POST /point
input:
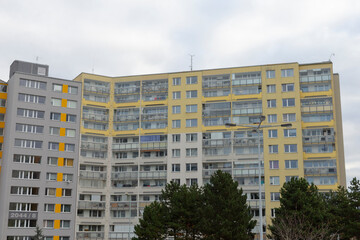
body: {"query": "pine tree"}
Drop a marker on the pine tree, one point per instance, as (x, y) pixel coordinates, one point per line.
(38, 234)
(225, 214)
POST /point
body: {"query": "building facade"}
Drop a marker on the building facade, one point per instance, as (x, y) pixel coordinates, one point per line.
(3, 97)
(39, 168)
(140, 132)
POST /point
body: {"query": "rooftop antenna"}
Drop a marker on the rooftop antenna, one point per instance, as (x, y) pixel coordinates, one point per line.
(191, 61)
(333, 54)
(37, 58)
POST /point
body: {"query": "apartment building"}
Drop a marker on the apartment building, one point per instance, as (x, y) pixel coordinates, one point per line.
(140, 132)
(40, 155)
(3, 97)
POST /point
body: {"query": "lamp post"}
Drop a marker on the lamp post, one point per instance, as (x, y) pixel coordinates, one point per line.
(128, 195)
(256, 128)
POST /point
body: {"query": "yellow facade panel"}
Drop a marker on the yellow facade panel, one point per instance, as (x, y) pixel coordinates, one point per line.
(56, 224)
(59, 177)
(62, 132)
(60, 162)
(61, 147)
(63, 117)
(59, 192)
(2, 110)
(57, 208)
(65, 88)
(64, 103)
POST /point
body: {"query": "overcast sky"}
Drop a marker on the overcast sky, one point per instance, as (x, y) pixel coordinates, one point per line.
(125, 37)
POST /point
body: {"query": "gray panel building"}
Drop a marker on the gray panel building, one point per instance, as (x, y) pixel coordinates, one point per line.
(40, 159)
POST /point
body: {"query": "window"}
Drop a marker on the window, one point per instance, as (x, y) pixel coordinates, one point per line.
(33, 84)
(30, 113)
(56, 102)
(270, 74)
(191, 108)
(54, 146)
(191, 152)
(24, 190)
(287, 72)
(272, 118)
(273, 133)
(274, 164)
(2, 102)
(191, 137)
(70, 132)
(191, 122)
(289, 132)
(274, 180)
(177, 95)
(50, 191)
(51, 176)
(289, 117)
(55, 116)
(191, 80)
(273, 149)
(57, 87)
(54, 131)
(3, 88)
(28, 128)
(176, 109)
(191, 167)
(275, 196)
(71, 104)
(176, 167)
(52, 161)
(191, 181)
(176, 137)
(271, 103)
(31, 98)
(64, 223)
(288, 102)
(191, 94)
(287, 87)
(48, 223)
(49, 207)
(72, 90)
(68, 162)
(288, 178)
(271, 88)
(290, 148)
(176, 123)
(273, 212)
(69, 147)
(70, 118)
(176, 180)
(29, 159)
(176, 81)
(25, 143)
(67, 177)
(291, 164)
(66, 192)
(176, 152)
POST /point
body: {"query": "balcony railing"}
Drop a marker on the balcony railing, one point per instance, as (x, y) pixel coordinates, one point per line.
(153, 145)
(92, 175)
(95, 117)
(90, 235)
(162, 87)
(317, 108)
(209, 172)
(319, 139)
(247, 172)
(216, 142)
(123, 205)
(127, 90)
(94, 146)
(91, 205)
(98, 90)
(122, 118)
(244, 142)
(216, 84)
(254, 203)
(120, 235)
(154, 116)
(317, 78)
(153, 174)
(249, 81)
(216, 113)
(320, 171)
(125, 146)
(124, 175)
(245, 111)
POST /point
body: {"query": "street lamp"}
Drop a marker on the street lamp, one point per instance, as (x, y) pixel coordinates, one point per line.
(256, 129)
(127, 196)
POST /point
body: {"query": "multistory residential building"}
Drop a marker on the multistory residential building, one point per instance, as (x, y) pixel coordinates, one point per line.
(140, 132)
(40, 155)
(3, 97)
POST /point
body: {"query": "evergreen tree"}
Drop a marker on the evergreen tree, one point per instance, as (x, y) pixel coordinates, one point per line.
(354, 197)
(38, 234)
(153, 224)
(302, 211)
(225, 214)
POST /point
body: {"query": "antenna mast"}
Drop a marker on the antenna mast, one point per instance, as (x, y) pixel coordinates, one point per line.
(191, 61)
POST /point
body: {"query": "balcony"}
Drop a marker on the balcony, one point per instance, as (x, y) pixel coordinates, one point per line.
(320, 171)
(91, 205)
(90, 235)
(97, 89)
(95, 117)
(120, 235)
(216, 84)
(208, 172)
(315, 78)
(126, 118)
(94, 146)
(153, 174)
(124, 175)
(123, 205)
(245, 142)
(154, 116)
(246, 111)
(125, 146)
(153, 145)
(92, 175)
(316, 108)
(127, 90)
(207, 143)
(247, 172)
(254, 203)
(319, 139)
